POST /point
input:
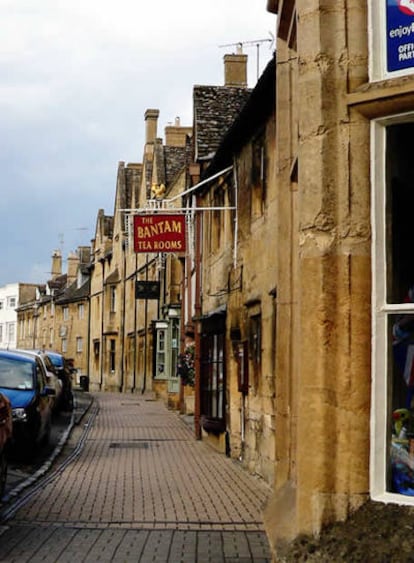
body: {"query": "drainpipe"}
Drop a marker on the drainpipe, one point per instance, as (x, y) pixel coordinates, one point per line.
(144, 383)
(88, 348)
(182, 325)
(135, 331)
(102, 325)
(122, 383)
(197, 335)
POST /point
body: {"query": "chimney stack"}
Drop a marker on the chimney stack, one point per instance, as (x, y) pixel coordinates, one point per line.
(73, 262)
(235, 70)
(56, 264)
(151, 121)
(176, 135)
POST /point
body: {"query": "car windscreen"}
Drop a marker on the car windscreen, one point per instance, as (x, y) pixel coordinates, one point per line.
(16, 374)
(56, 360)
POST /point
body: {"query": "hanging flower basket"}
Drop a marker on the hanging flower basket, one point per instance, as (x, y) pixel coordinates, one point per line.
(185, 366)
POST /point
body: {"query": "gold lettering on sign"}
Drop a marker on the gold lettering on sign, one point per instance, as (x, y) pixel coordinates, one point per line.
(160, 228)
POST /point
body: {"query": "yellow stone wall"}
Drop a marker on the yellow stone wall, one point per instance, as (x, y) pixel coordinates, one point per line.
(324, 270)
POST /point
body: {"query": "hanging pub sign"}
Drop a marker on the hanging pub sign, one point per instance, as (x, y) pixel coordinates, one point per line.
(159, 233)
(147, 289)
(400, 34)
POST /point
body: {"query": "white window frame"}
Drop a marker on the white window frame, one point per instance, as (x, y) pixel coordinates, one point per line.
(381, 310)
(377, 30)
(79, 344)
(11, 332)
(65, 313)
(81, 311)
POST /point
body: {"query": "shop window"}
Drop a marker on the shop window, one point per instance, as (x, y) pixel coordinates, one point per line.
(173, 382)
(161, 339)
(393, 313)
(212, 376)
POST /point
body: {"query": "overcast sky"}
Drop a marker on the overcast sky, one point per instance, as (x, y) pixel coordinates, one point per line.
(76, 77)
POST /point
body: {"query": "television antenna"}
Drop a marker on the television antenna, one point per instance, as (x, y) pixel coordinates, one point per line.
(255, 42)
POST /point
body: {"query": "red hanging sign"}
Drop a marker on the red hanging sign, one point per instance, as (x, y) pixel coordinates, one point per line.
(159, 233)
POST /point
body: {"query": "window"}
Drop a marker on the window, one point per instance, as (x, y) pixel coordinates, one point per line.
(65, 313)
(212, 375)
(217, 220)
(1, 333)
(1, 305)
(112, 298)
(11, 332)
(81, 311)
(64, 345)
(112, 345)
(258, 175)
(392, 444)
(255, 333)
(161, 347)
(212, 362)
(11, 302)
(79, 344)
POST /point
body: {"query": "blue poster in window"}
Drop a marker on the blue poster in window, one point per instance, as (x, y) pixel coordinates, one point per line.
(400, 34)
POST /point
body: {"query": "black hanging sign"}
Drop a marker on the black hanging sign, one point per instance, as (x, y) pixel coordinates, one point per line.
(147, 290)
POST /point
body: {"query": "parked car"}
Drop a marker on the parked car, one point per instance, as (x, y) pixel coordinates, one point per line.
(23, 380)
(64, 371)
(5, 435)
(53, 380)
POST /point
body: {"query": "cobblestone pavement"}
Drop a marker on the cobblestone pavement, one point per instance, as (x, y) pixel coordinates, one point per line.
(135, 486)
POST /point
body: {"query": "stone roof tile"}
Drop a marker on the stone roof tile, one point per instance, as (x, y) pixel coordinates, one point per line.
(215, 109)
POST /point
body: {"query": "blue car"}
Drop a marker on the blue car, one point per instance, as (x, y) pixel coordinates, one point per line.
(23, 380)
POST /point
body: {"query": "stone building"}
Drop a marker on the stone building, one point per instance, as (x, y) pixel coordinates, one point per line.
(237, 319)
(57, 315)
(343, 405)
(135, 337)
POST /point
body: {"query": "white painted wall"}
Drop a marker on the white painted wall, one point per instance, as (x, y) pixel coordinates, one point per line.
(9, 301)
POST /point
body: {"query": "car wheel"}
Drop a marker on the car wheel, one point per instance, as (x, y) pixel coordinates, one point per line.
(3, 472)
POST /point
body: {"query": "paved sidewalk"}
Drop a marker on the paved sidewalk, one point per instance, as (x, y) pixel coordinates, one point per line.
(138, 487)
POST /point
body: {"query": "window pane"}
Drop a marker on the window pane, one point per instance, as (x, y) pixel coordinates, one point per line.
(399, 216)
(401, 411)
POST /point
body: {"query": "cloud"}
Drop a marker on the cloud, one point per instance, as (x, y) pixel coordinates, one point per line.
(75, 80)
